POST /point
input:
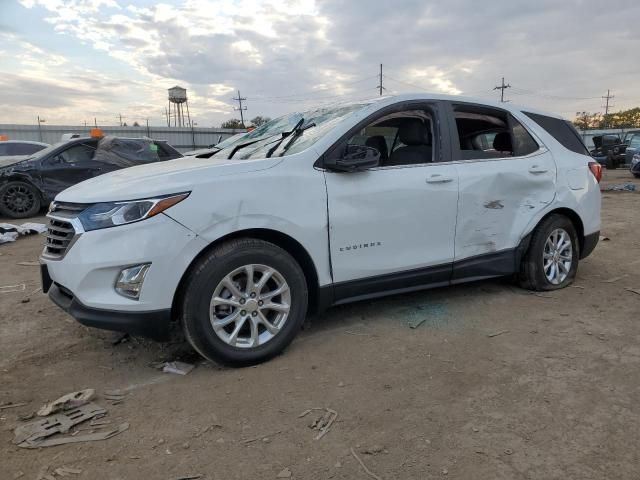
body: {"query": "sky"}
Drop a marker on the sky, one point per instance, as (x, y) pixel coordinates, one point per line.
(73, 61)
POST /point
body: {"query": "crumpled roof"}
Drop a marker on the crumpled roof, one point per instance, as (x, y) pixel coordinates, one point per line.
(126, 152)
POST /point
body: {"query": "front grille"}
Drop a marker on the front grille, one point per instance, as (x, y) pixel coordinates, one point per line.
(67, 210)
(59, 237)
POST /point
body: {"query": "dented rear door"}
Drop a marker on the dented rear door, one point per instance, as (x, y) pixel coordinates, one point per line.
(497, 199)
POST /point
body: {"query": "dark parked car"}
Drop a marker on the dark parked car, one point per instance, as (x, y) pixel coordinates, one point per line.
(635, 165)
(633, 147)
(20, 147)
(27, 184)
(609, 150)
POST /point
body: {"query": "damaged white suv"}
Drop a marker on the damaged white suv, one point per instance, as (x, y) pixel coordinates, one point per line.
(319, 208)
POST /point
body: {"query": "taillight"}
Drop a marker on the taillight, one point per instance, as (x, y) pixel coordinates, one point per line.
(596, 169)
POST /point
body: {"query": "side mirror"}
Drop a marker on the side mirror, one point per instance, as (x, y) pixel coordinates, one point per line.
(355, 158)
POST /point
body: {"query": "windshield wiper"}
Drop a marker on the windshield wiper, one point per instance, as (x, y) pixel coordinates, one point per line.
(246, 144)
(296, 135)
(285, 135)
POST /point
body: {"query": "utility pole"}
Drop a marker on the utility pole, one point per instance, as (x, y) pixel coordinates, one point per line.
(502, 88)
(241, 108)
(148, 131)
(120, 115)
(607, 106)
(40, 122)
(381, 87)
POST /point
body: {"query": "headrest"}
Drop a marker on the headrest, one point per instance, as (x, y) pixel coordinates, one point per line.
(379, 143)
(502, 142)
(414, 132)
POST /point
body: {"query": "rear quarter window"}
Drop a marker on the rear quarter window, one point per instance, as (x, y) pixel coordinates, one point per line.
(562, 131)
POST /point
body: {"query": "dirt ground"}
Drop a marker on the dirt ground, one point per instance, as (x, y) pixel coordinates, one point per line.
(553, 396)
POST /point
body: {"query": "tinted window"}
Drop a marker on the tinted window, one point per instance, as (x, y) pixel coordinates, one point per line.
(24, 148)
(562, 131)
(635, 141)
(78, 153)
(523, 142)
(485, 132)
(166, 152)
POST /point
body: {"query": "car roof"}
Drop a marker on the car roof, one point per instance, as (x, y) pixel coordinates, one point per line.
(511, 107)
(28, 142)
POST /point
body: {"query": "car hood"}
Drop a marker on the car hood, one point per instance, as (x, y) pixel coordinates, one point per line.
(12, 160)
(144, 181)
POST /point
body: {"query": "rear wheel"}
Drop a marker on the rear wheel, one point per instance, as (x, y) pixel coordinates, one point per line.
(551, 262)
(19, 200)
(244, 302)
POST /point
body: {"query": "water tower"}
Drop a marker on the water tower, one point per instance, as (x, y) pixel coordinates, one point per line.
(178, 98)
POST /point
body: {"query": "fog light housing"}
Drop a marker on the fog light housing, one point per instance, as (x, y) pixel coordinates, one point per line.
(129, 283)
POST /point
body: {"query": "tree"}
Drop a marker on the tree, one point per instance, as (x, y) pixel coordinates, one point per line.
(259, 120)
(136, 124)
(233, 123)
(125, 124)
(586, 120)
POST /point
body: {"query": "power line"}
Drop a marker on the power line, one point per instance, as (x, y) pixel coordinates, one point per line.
(241, 108)
(502, 88)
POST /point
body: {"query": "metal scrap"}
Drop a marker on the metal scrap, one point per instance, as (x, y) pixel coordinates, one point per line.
(13, 405)
(180, 368)
(31, 435)
(323, 423)
(13, 288)
(491, 335)
(67, 402)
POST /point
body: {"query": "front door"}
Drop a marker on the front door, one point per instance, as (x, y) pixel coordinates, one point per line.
(392, 227)
(70, 166)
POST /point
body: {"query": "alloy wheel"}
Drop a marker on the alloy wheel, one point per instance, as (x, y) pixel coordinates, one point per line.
(557, 256)
(250, 306)
(18, 199)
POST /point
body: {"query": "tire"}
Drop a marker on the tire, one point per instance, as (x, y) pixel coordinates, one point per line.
(637, 175)
(19, 200)
(533, 275)
(218, 274)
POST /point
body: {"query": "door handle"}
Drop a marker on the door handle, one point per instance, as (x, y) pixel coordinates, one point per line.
(537, 169)
(437, 178)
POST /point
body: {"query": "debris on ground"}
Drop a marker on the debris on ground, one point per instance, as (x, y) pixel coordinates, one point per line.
(177, 367)
(10, 232)
(419, 314)
(501, 332)
(285, 473)
(35, 434)
(5, 406)
(67, 402)
(28, 264)
(114, 396)
(615, 279)
(364, 467)
(633, 290)
(604, 239)
(190, 477)
(373, 450)
(620, 187)
(13, 288)
(261, 437)
(322, 423)
(417, 323)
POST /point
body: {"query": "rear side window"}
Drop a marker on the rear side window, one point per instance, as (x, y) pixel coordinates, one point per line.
(24, 148)
(562, 131)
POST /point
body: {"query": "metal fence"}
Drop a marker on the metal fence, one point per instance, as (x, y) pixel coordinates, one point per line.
(182, 138)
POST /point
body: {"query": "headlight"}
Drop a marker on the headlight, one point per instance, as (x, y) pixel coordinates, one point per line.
(111, 214)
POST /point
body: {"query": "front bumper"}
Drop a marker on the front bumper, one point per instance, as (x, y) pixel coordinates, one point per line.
(83, 280)
(152, 324)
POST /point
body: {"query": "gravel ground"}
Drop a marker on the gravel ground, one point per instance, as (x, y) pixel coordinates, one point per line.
(553, 396)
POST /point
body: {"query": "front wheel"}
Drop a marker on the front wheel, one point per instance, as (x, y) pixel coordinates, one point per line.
(19, 200)
(244, 302)
(551, 262)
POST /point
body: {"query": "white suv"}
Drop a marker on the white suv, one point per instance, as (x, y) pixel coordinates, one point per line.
(323, 207)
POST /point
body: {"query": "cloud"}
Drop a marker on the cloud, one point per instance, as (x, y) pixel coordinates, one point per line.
(292, 54)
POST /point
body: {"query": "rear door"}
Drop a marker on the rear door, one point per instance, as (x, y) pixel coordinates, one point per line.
(506, 177)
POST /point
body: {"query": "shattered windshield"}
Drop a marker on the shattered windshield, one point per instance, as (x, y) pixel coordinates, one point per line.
(267, 135)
